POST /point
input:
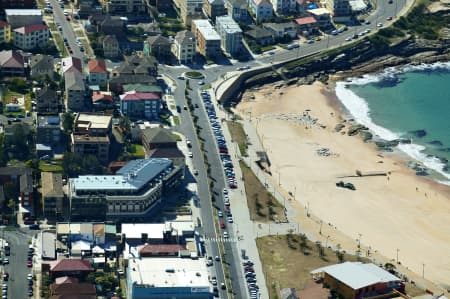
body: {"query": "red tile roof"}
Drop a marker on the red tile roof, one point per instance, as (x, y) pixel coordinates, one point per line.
(97, 96)
(3, 24)
(305, 21)
(31, 28)
(71, 265)
(139, 96)
(97, 66)
(161, 248)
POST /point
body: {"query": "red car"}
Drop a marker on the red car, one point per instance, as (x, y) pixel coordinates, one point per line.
(222, 224)
(29, 264)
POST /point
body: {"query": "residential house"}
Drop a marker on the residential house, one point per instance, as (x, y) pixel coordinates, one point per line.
(12, 63)
(41, 66)
(322, 16)
(71, 64)
(151, 29)
(70, 267)
(340, 10)
(353, 280)
(113, 25)
(111, 47)
(262, 10)
(282, 30)
(306, 25)
(47, 101)
(158, 46)
(23, 17)
(237, 9)
(208, 41)
(283, 7)
(98, 74)
(183, 47)
(5, 32)
(189, 10)
(260, 35)
(230, 34)
(75, 91)
(48, 130)
(91, 135)
(73, 289)
(214, 8)
(22, 180)
(52, 195)
(140, 105)
(134, 69)
(160, 143)
(102, 100)
(31, 36)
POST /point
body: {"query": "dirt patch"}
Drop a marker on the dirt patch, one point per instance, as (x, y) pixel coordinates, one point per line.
(288, 259)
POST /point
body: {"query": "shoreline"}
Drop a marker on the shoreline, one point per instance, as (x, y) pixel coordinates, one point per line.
(269, 129)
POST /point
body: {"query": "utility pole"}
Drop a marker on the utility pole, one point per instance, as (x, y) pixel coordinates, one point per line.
(397, 255)
(320, 230)
(423, 270)
(359, 240)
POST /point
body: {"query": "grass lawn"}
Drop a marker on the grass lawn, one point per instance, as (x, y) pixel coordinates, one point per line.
(262, 205)
(194, 75)
(176, 120)
(287, 264)
(137, 151)
(176, 136)
(48, 167)
(238, 134)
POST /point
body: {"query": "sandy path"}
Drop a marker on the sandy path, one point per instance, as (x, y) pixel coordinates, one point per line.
(399, 211)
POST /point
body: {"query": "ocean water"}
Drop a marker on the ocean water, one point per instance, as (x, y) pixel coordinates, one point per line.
(411, 102)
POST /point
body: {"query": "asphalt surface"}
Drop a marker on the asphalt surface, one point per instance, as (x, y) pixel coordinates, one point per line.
(67, 29)
(17, 268)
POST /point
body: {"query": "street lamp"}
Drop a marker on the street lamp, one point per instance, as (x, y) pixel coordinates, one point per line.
(359, 240)
(326, 242)
(320, 229)
(397, 254)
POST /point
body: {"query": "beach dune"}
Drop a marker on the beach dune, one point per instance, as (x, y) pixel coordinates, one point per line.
(396, 213)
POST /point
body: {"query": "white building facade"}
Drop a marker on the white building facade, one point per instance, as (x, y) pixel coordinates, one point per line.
(230, 34)
(31, 36)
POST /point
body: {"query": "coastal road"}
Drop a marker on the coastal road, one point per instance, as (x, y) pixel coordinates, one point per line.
(186, 127)
(17, 268)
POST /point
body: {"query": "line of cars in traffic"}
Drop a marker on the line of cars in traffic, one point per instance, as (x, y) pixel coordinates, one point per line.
(220, 140)
(250, 278)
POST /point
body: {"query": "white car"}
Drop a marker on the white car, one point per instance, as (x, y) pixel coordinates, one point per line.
(379, 25)
(230, 219)
(348, 39)
(66, 13)
(30, 276)
(220, 214)
(225, 234)
(190, 155)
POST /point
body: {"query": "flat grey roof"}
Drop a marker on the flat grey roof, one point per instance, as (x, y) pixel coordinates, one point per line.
(132, 176)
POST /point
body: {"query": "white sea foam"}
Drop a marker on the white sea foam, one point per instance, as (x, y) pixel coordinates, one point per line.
(359, 109)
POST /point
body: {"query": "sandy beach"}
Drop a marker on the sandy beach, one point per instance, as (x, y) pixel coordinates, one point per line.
(396, 213)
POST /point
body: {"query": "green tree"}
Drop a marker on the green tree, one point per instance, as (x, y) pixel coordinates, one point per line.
(67, 122)
(18, 85)
(18, 144)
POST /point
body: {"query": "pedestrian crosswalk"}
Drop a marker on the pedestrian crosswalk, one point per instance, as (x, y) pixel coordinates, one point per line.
(221, 240)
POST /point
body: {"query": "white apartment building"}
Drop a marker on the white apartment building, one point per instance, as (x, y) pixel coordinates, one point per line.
(183, 47)
(282, 7)
(230, 34)
(31, 36)
(207, 39)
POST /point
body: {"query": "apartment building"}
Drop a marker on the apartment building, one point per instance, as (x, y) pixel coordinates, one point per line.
(125, 7)
(207, 39)
(261, 9)
(48, 130)
(98, 74)
(75, 91)
(140, 105)
(5, 32)
(237, 9)
(283, 7)
(31, 36)
(230, 34)
(189, 10)
(91, 135)
(340, 10)
(134, 191)
(214, 8)
(22, 17)
(183, 47)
